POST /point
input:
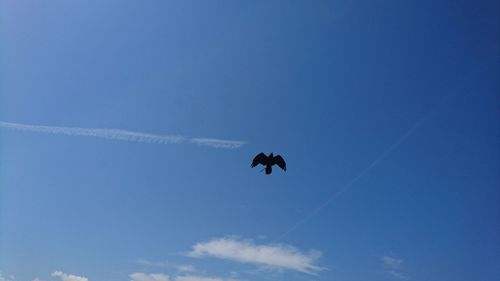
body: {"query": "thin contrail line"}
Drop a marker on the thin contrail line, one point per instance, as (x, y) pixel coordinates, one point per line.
(216, 143)
(345, 187)
(379, 159)
(123, 135)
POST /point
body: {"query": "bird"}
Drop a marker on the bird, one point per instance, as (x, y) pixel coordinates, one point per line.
(269, 161)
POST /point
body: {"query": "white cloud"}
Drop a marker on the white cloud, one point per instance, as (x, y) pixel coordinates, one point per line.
(197, 278)
(392, 262)
(154, 263)
(139, 276)
(123, 135)
(185, 267)
(393, 267)
(37, 279)
(202, 278)
(276, 256)
(167, 264)
(68, 277)
(10, 278)
(396, 275)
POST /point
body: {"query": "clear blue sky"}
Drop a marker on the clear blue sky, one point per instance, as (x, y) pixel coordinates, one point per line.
(387, 113)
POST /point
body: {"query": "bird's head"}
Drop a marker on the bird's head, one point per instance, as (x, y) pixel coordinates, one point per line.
(271, 155)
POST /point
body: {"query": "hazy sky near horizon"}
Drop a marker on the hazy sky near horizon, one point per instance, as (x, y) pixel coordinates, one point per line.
(127, 129)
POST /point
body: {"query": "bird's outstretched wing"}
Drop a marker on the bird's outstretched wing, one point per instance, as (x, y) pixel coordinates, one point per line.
(278, 160)
(261, 158)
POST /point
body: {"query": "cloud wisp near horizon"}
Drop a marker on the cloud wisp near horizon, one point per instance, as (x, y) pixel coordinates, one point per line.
(167, 264)
(393, 267)
(68, 277)
(275, 256)
(123, 135)
(140, 276)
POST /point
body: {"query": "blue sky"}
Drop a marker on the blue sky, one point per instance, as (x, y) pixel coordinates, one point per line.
(385, 111)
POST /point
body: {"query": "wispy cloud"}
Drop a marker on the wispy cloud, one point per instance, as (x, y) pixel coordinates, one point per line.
(204, 278)
(167, 264)
(185, 267)
(68, 277)
(139, 276)
(396, 275)
(122, 135)
(392, 262)
(147, 262)
(197, 278)
(217, 143)
(393, 266)
(9, 278)
(276, 256)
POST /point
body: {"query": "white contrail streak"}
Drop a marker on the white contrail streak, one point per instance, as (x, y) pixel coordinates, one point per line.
(345, 187)
(377, 160)
(123, 135)
(228, 144)
(113, 134)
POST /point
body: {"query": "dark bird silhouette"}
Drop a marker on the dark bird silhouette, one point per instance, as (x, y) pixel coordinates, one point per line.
(269, 161)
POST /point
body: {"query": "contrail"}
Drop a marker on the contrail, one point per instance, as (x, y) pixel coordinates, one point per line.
(123, 135)
(348, 185)
(380, 158)
(216, 143)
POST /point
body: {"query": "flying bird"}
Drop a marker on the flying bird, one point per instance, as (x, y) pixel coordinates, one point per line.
(269, 161)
